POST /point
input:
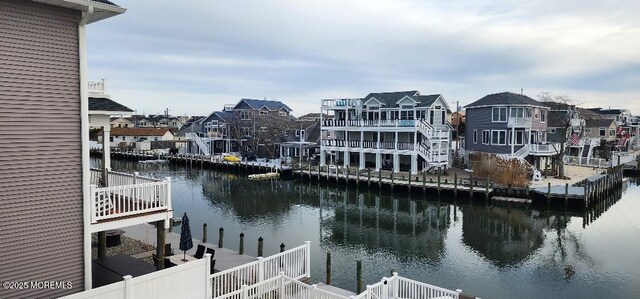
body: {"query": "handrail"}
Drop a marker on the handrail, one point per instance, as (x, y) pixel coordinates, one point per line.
(126, 200)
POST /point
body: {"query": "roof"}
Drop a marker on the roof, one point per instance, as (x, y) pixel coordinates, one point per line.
(105, 104)
(606, 111)
(138, 131)
(556, 119)
(598, 122)
(270, 105)
(504, 98)
(390, 99)
(314, 115)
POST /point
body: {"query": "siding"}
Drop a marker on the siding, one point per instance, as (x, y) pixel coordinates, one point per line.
(40, 148)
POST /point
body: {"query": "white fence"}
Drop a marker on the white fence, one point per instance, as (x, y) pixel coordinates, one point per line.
(295, 263)
(189, 280)
(281, 287)
(120, 178)
(599, 162)
(400, 287)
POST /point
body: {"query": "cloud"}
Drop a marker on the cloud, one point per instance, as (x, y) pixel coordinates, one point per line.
(302, 51)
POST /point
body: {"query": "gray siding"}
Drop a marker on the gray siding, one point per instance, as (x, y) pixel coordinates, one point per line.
(40, 148)
(479, 119)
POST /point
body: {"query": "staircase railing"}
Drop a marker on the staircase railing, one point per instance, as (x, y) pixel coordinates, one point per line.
(204, 149)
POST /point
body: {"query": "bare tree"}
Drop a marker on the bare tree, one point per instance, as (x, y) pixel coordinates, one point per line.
(264, 131)
(564, 111)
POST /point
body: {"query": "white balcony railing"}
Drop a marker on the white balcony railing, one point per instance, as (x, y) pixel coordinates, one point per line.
(519, 122)
(544, 149)
(368, 144)
(400, 287)
(127, 195)
(96, 87)
(341, 103)
(294, 263)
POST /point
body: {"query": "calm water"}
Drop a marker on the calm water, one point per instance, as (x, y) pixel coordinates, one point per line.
(490, 252)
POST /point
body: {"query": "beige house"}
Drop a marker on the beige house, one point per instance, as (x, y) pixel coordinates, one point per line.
(121, 122)
(602, 128)
(129, 136)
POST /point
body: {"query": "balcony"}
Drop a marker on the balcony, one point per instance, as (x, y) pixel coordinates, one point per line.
(548, 149)
(519, 122)
(409, 123)
(368, 144)
(341, 103)
(128, 199)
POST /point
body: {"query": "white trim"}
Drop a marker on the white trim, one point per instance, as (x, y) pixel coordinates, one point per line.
(488, 142)
(105, 112)
(406, 97)
(380, 104)
(84, 127)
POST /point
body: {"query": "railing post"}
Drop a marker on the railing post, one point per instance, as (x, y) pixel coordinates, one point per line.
(128, 287)
(168, 203)
(260, 269)
(307, 258)
(244, 292)
(207, 284)
(281, 284)
(260, 246)
(396, 284)
(93, 201)
(385, 288)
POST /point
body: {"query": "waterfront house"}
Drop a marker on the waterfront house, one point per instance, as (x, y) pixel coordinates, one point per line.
(313, 117)
(398, 131)
(621, 116)
(49, 206)
(602, 128)
(510, 125)
(126, 137)
(303, 141)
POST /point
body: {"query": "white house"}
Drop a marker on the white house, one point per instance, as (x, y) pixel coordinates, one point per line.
(101, 107)
(128, 136)
(399, 131)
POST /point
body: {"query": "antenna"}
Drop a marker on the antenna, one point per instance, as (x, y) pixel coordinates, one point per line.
(521, 91)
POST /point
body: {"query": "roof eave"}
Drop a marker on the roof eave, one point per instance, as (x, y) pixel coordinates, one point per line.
(101, 11)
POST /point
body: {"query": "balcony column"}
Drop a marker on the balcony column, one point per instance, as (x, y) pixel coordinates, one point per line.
(378, 161)
(346, 161)
(361, 160)
(323, 157)
(396, 163)
(106, 151)
(396, 141)
(513, 139)
(414, 163)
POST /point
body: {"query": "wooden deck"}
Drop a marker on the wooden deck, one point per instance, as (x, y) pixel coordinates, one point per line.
(225, 258)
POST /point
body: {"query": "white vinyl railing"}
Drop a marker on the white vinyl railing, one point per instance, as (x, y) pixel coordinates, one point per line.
(204, 149)
(127, 200)
(519, 122)
(115, 178)
(400, 287)
(295, 263)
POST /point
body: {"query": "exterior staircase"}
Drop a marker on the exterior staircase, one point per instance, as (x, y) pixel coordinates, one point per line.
(424, 149)
(204, 149)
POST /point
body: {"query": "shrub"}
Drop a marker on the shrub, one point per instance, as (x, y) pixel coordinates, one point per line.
(500, 170)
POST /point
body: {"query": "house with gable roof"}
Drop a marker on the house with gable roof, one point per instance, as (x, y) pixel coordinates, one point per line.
(398, 131)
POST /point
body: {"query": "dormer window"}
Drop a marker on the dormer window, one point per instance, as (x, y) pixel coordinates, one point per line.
(408, 107)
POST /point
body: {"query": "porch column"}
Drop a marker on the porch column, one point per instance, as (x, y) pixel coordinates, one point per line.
(396, 141)
(378, 161)
(160, 241)
(396, 163)
(513, 139)
(106, 148)
(346, 161)
(362, 160)
(323, 157)
(414, 163)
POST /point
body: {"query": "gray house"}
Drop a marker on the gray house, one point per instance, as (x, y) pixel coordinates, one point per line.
(508, 124)
(43, 92)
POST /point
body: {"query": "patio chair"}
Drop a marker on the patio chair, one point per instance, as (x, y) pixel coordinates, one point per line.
(199, 252)
(212, 252)
(167, 249)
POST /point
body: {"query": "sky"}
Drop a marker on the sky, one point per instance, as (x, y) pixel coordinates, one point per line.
(194, 56)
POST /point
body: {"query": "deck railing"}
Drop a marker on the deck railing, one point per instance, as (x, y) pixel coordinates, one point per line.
(294, 263)
(400, 287)
(127, 195)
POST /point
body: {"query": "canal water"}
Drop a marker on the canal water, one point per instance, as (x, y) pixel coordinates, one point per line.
(487, 251)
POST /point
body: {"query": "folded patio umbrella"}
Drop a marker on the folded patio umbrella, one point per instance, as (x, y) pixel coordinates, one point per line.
(186, 241)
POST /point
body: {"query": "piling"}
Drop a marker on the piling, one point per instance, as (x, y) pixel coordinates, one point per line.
(241, 248)
(359, 277)
(392, 184)
(204, 233)
(260, 246)
(170, 224)
(409, 187)
(328, 279)
(424, 182)
(455, 184)
(548, 192)
(380, 177)
(160, 237)
(471, 185)
(566, 194)
(281, 247)
(368, 177)
(439, 173)
(220, 237)
(509, 190)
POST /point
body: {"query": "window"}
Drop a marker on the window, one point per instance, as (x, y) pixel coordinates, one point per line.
(519, 138)
(517, 112)
(302, 135)
(499, 137)
(407, 107)
(282, 113)
(603, 132)
(245, 115)
(431, 115)
(486, 135)
(286, 133)
(543, 115)
(499, 114)
(475, 136)
(551, 130)
(264, 112)
(612, 132)
(444, 115)
(297, 133)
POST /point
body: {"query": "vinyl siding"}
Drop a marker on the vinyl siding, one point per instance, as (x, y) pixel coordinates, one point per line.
(40, 148)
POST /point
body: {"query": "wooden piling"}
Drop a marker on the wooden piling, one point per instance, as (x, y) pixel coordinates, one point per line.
(204, 233)
(424, 182)
(241, 247)
(260, 246)
(566, 194)
(358, 277)
(486, 190)
(548, 192)
(160, 241)
(328, 278)
(281, 247)
(455, 184)
(392, 183)
(220, 237)
(439, 174)
(368, 177)
(471, 185)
